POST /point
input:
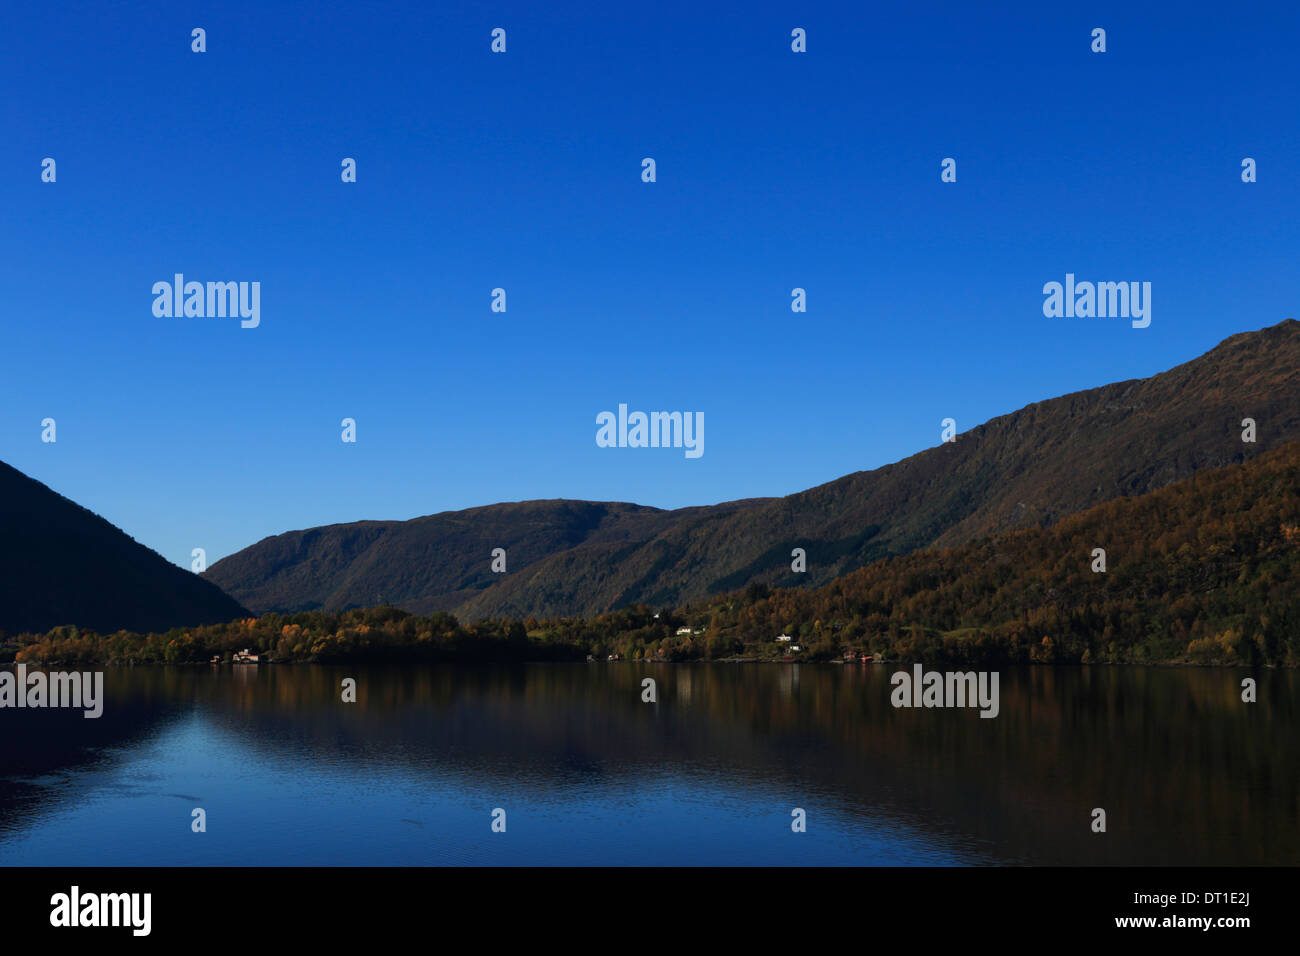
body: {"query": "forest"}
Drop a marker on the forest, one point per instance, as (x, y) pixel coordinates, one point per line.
(1204, 571)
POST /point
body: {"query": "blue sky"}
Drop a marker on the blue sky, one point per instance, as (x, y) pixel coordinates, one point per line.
(775, 170)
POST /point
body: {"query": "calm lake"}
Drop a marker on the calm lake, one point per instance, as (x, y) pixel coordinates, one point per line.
(589, 774)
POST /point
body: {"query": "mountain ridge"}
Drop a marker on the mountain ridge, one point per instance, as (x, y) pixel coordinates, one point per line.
(1030, 467)
(62, 564)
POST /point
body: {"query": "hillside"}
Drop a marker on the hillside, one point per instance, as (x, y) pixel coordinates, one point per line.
(61, 564)
(1030, 468)
(434, 563)
(1206, 570)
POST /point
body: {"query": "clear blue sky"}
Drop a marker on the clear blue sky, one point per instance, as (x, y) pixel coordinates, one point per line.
(775, 170)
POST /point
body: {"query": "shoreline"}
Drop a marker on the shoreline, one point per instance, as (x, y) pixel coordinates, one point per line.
(48, 665)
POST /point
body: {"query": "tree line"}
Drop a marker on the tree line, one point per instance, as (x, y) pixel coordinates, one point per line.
(1203, 571)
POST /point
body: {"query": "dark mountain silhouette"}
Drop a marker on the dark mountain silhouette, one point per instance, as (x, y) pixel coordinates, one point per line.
(1205, 570)
(63, 565)
(1026, 469)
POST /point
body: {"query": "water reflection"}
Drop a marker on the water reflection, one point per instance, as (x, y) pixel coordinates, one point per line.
(1187, 773)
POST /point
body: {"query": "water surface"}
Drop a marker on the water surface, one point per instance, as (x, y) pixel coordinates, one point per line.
(587, 773)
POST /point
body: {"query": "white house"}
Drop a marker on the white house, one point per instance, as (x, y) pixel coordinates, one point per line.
(784, 638)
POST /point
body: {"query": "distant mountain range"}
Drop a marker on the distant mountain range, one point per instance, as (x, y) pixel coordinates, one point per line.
(1029, 468)
(61, 564)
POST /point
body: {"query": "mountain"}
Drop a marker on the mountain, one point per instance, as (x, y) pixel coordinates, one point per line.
(434, 563)
(63, 565)
(1206, 569)
(1030, 468)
